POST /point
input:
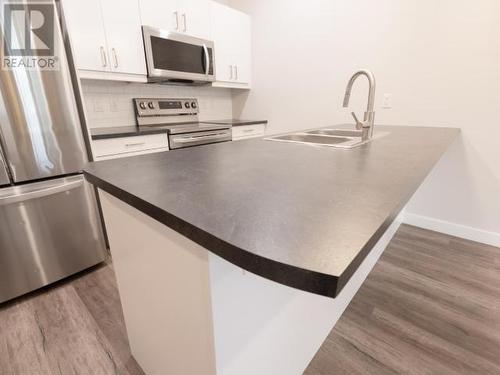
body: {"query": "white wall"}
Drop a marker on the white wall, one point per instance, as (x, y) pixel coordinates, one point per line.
(109, 103)
(440, 59)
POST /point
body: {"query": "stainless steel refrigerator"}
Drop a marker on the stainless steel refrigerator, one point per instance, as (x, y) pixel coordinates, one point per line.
(49, 221)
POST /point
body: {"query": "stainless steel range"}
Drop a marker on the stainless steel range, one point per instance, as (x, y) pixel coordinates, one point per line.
(180, 118)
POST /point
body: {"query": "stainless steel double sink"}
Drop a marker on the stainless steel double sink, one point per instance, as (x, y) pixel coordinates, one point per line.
(339, 138)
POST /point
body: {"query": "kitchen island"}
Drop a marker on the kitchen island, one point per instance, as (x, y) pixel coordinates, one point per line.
(308, 223)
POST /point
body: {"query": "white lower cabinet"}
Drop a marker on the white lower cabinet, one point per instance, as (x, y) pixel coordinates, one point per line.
(129, 146)
(248, 131)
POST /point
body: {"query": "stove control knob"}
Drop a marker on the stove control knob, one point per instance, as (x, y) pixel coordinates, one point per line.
(194, 105)
(186, 104)
(151, 105)
(142, 105)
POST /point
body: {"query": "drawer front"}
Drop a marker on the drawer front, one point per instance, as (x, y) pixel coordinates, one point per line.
(248, 131)
(129, 145)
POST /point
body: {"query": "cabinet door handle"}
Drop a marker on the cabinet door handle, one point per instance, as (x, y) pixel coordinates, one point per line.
(230, 72)
(176, 14)
(137, 144)
(185, 22)
(115, 57)
(236, 72)
(103, 57)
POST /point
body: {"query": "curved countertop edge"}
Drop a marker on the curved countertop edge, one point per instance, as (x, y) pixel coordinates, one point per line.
(285, 274)
(360, 257)
(328, 285)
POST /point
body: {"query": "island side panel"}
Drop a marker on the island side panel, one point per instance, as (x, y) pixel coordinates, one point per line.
(164, 284)
(262, 327)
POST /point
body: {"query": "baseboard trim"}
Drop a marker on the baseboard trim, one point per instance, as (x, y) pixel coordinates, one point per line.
(457, 230)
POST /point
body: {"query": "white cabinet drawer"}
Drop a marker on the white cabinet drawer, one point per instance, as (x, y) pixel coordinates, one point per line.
(129, 145)
(248, 131)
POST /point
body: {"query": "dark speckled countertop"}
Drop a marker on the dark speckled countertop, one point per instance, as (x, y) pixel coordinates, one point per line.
(300, 215)
(132, 131)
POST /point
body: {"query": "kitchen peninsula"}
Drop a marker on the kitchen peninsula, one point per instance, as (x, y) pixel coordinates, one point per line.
(306, 222)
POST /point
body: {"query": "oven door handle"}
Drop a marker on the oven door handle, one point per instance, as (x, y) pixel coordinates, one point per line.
(207, 59)
(200, 138)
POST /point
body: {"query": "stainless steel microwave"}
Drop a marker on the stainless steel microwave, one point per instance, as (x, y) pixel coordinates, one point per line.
(178, 58)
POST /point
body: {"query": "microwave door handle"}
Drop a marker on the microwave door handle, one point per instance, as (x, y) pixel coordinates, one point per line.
(207, 60)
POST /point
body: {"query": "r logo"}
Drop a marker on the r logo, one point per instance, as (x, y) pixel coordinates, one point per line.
(29, 29)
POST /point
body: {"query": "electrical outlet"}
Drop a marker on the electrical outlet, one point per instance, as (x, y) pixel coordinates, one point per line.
(387, 103)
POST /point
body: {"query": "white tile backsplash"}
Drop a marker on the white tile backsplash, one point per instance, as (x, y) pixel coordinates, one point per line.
(109, 103)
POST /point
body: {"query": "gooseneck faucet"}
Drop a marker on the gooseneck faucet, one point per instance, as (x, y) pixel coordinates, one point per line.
(368, 121)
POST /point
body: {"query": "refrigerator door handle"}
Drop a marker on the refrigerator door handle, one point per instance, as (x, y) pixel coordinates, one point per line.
(44, 192)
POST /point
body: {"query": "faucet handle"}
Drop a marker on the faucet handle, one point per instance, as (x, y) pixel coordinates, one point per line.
(359, 124)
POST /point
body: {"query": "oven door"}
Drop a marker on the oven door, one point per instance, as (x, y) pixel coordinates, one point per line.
(177, 57)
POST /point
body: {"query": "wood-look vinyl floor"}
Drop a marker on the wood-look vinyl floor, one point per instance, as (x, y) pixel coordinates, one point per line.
(75, 327)
(431, 305)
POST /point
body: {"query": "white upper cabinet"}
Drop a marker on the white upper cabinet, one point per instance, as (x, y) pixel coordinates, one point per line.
(106, 38)
(243, 52)
(195, 17)
(107, 41)
(124, 36)
(231, 33)
(86, 26)
(189, 17)
(163, 14)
